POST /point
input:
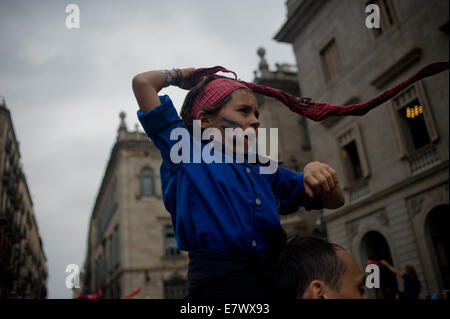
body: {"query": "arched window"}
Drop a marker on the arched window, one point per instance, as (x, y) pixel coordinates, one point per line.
(437, 224)
(147, 182)
(376, 248)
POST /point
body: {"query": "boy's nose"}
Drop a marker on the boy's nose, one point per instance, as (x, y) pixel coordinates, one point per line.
(255, 123)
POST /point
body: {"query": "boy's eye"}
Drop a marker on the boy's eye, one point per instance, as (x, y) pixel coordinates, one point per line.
(244, 110)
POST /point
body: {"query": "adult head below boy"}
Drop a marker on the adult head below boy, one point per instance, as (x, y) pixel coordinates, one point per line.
(312, 268)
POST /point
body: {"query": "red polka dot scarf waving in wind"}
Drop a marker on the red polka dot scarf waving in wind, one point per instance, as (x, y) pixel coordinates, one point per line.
(218, 89)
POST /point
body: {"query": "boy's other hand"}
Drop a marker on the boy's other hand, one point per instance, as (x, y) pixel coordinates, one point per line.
(319, 178)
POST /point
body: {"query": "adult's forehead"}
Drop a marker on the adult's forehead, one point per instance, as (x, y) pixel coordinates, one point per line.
(350, 263)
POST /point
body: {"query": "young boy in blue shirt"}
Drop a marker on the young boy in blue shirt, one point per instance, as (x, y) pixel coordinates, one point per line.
(226, 215)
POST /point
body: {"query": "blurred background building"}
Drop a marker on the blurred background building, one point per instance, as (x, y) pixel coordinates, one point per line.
(392, 162)
(131, 243)
(23, 265)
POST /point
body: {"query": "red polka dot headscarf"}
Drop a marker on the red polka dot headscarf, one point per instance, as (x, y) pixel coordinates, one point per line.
(216, 90)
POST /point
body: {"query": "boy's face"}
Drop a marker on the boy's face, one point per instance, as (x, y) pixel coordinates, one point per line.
(240, 112)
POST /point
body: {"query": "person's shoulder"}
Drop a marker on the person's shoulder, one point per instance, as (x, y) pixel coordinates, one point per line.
(161, 118)
(166, 103)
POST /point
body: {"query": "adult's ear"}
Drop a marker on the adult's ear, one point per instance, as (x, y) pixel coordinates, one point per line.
(204, 118)
(315, 290)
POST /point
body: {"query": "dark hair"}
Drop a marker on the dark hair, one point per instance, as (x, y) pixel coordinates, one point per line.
(410, 270)
(289, 269)
(186, 109)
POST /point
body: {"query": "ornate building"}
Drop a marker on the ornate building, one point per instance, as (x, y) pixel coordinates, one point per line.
(392, 162)
(23, 269)
(131, 243)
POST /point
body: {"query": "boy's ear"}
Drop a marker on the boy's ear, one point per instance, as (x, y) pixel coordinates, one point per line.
(315, 290)
(204, 118)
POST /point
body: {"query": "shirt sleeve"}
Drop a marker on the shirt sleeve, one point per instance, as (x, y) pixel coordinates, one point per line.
(288, 188)
(159, 123)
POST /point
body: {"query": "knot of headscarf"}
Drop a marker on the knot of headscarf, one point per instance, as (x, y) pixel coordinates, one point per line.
(218, 89)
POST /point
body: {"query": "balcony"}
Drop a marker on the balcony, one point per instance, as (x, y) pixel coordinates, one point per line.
(12, 188)
(424, 160)
(359, 190)
(6, 178)
(17, 201)
(9, 220)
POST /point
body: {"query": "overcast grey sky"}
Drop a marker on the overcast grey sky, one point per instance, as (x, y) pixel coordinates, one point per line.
(66, 87)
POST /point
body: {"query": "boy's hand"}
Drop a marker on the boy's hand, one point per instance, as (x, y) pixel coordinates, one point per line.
(319, 179)
(187, 81)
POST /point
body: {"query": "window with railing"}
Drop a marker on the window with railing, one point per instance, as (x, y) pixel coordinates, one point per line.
(415, 129)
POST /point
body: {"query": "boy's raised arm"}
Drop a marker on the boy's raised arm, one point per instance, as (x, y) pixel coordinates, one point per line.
(147, 85)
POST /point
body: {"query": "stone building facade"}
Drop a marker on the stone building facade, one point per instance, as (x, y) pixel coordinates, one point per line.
(131, 243)
(392, 162)
(23, 264)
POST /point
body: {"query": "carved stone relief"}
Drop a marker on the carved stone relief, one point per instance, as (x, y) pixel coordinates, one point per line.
(415, 205)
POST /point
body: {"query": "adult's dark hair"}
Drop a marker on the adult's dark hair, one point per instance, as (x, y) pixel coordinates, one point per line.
(291, 267)
(411, 270)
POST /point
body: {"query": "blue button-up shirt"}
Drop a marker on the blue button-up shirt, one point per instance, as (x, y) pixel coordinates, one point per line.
(221, 206)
